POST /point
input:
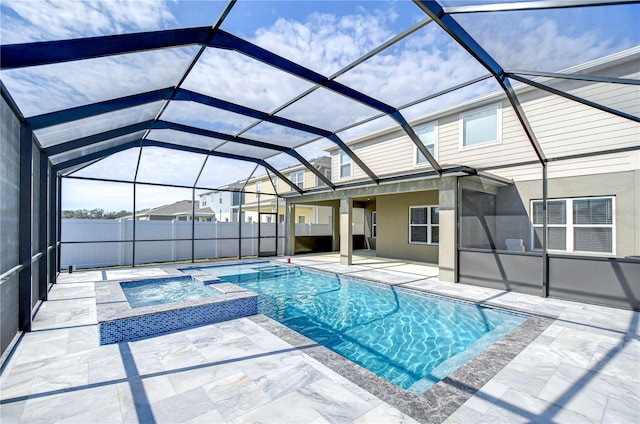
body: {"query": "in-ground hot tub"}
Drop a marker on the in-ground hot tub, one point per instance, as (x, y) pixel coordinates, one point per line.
(155, 306)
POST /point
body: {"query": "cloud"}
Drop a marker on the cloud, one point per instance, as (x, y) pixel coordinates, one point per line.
(231, 76)
(196, 114)
(119, 166)
(550, 42)
(43, 89)
(325, 42)
(39, 20)
(157, 165)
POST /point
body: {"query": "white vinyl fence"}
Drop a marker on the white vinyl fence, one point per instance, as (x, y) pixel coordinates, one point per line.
(108, 242)
(88, 243)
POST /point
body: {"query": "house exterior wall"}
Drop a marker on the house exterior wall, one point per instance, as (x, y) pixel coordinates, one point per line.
(623, 185)
(393, 226)
(563, 127)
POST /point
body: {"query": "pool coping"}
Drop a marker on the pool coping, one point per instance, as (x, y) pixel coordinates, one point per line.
(445, 397)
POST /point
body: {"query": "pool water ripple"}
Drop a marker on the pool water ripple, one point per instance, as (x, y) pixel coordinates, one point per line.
(411, 339)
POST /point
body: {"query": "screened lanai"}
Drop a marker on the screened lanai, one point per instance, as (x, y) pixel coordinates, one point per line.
(130, 106)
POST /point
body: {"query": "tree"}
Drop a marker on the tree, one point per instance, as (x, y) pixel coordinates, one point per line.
(93, 214)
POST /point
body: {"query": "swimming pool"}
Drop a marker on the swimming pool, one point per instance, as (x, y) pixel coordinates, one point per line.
(412, 339)
(168, 290)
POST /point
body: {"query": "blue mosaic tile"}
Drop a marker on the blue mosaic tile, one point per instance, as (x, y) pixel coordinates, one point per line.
(165, 322)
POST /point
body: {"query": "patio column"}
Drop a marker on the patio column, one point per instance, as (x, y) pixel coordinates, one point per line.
(447, 249)
(25, 300)
(335, 222)
(346, 230)
(290, 231)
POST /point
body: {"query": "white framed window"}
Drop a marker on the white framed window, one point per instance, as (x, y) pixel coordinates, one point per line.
(274, 182)
(203, 200)
(424, 224)
(327, 174)
(428, 134)
(345, 165)
(575, 225)
(481, 127)
(374, 224)
(301, 219)
(297, 178)
(258, 186)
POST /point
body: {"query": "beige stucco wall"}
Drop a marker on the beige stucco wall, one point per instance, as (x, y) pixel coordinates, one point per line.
(393, 226)
(623, 185)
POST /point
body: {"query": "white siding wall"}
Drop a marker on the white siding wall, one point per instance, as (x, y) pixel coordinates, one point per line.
(562, 127)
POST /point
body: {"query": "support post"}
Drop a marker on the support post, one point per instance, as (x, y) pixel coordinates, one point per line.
(335, 221)
(240, 226)
(346, 231)
(545, 228)
(133, 228)
(43, 281)
(193, 225)
(24, 228)
(53, 226)
(59, 224)
(290, 222)
(447, 250)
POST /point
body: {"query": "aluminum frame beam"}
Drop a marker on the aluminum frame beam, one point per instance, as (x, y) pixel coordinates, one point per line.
(94, 109)
(48, 52)
(531, 5)
(151, 143)
(578, 77)
(575, 98)
(92, 139)
(60, 167)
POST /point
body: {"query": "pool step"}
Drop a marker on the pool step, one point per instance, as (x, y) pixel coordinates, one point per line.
(276, 271)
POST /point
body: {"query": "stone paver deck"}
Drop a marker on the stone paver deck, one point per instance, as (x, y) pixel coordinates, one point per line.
(584, 367)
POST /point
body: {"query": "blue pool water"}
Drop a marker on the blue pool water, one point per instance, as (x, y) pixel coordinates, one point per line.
(411, 339)
(166, 290)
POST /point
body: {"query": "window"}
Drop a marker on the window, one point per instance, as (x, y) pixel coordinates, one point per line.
(203, 200)
(297, 178)
(301, 219)
(258, 186)
(345, 165)
(374, 224)
(481, 127)
(274, 182)
(575, 225)
(327, 174)
(428, 135)
(424, 224)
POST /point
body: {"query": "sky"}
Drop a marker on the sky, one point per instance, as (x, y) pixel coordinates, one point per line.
(324, 36)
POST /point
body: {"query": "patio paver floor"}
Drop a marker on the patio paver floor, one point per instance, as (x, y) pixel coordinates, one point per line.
(585, 367)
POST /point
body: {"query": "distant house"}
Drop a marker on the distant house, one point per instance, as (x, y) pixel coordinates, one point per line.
(260, 192)
(224, 202)
(178, 211)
